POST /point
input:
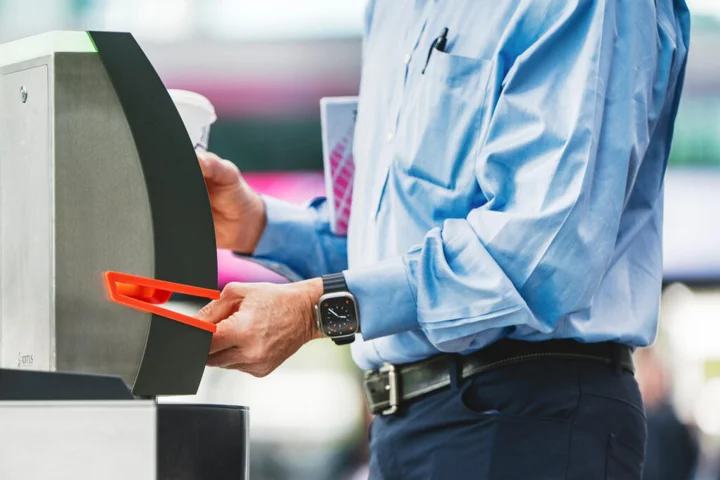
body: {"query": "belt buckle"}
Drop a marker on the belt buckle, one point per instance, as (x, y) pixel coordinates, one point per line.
(391, 388)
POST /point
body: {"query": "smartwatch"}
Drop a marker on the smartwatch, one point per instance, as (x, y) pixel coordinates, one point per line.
(336, 311)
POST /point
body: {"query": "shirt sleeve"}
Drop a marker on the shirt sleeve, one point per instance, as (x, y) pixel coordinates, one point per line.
(569, 130)
(300, 238)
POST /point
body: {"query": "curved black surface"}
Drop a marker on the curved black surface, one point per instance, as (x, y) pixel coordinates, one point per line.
(184, 236)
(174, 359)
(181, 216)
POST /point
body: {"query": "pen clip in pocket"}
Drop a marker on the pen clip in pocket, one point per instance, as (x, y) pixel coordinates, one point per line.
(439, 43)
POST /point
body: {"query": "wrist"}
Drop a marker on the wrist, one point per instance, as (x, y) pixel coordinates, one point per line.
(311, 291)
(338, 316)
(252, 227)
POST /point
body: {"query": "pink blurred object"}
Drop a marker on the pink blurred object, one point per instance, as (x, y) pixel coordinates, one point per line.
(234, 269)
(295, 187)
(342, 169)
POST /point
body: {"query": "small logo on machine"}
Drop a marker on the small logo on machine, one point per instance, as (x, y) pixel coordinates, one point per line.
(24, 360)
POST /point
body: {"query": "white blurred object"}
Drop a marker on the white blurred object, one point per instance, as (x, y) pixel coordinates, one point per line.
(707, 413)
(275, 19)
(289, 405)
(363, 473)
(691, 328)
(707, 7)
(197, 113)
(691, 232)
(25, 18)
(692, 322)
(158, 20)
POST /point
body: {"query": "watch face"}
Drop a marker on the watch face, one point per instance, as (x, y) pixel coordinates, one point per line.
(338, 315)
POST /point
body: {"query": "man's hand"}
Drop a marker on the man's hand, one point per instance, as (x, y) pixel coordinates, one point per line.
(238, 211)
(260, 325)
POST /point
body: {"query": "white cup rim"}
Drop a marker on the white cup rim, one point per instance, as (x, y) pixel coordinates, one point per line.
(194, 99)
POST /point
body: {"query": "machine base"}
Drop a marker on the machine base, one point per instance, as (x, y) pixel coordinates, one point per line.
(47, 431)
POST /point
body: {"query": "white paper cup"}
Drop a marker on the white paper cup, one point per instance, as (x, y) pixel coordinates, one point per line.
(197, 113)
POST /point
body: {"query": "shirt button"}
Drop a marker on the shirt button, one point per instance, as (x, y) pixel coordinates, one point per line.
(406, 58)
(390, 136)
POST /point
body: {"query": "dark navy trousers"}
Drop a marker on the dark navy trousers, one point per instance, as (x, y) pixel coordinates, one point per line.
(538, 420)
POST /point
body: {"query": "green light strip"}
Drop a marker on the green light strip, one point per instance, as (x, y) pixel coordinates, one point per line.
(46, 44)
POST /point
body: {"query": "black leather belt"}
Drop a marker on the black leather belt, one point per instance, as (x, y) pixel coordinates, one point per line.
(389, 387)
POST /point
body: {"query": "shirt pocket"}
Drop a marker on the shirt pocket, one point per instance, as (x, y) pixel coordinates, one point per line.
(441, 119)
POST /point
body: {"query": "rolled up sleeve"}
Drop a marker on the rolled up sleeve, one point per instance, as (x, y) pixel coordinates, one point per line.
(300, 238)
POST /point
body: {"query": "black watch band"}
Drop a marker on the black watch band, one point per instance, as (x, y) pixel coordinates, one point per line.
(334, 283)
(344, 340)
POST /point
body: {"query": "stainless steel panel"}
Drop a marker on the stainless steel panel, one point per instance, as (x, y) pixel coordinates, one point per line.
(26, 236)
(103, 222)
(73, 204)
(78, 440)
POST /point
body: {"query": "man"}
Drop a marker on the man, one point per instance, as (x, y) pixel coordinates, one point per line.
(504, 250)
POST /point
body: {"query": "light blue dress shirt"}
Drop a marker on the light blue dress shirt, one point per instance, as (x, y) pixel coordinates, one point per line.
(514, 189)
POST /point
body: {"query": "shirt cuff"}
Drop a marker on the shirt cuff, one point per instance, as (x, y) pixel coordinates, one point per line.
(385, 302)
(285, 220)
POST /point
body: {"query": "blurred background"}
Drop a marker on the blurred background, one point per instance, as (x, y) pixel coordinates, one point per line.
(265, 65)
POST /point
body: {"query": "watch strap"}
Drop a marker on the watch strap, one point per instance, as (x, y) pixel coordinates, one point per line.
(344, 340)
(334, 283)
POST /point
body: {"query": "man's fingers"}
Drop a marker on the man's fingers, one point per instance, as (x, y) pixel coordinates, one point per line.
(217, 171)
(224, 358)
(236, 366)
(228, 303)
(208, 162)
(218, 310)
(258, 371)
(223, 338)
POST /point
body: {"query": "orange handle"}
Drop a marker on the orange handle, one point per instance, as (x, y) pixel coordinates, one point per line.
(146, 294)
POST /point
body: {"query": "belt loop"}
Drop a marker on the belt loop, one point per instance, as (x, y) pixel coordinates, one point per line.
(455, 370)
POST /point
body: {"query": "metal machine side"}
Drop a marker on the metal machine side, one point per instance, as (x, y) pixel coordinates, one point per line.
(103, 222)
(78, 440)
(26, 216)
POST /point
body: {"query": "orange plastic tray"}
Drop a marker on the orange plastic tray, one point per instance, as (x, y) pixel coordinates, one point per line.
(148, 295)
